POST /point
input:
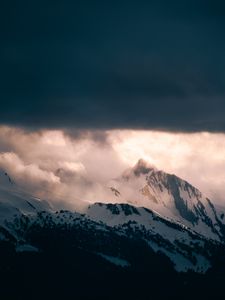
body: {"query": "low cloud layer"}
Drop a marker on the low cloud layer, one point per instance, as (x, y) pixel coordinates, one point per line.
(198, 157)
(73, 169)
(62, 167)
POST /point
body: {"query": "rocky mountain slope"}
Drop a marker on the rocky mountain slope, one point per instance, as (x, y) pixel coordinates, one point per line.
(171, 197)
(169, 231)
(187, 239)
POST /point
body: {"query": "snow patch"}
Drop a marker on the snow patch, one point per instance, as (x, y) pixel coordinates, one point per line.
(26, 248)
(115, 260)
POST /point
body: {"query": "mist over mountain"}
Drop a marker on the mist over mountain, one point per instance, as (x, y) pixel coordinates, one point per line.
(175, 233)
(69, 169)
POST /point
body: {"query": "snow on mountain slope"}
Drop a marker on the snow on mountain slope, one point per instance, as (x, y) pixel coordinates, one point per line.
(120, 214)
(14, 203)
(169, 196)
(178, 223)
(5, 179)
(171, 238)
(107, 227)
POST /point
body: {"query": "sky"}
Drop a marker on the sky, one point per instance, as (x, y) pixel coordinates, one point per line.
(113, 64)
(108, 82)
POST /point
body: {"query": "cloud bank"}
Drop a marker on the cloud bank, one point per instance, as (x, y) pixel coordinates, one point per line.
(71, 170)
(124, 64)
(62, 167)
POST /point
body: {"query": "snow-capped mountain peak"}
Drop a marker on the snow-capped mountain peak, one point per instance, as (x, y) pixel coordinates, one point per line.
(161, 210)
(142, 167)
(170, 196)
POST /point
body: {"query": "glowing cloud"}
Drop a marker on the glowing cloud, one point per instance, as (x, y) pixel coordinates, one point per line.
(67, 168)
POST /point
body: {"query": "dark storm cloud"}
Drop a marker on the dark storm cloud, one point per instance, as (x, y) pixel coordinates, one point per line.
(102, 64)
(99, 137)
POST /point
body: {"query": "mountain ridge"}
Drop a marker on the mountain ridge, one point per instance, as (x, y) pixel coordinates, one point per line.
(188, 242)
(170, 196)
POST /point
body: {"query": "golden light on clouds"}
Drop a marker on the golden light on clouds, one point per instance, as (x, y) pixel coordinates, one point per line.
(196, 157)
(167, 150)
(52, 163)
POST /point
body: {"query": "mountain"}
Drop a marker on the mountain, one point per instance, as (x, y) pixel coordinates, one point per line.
(184, 247)
(15, 203)
(169, 231)
(23, 217)
(171, 197)
(13, 197)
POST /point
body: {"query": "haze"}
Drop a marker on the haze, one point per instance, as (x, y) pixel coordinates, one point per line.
(67, 167)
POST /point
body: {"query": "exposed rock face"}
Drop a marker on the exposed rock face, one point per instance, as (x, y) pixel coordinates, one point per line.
(171, 197)
(176, 220)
